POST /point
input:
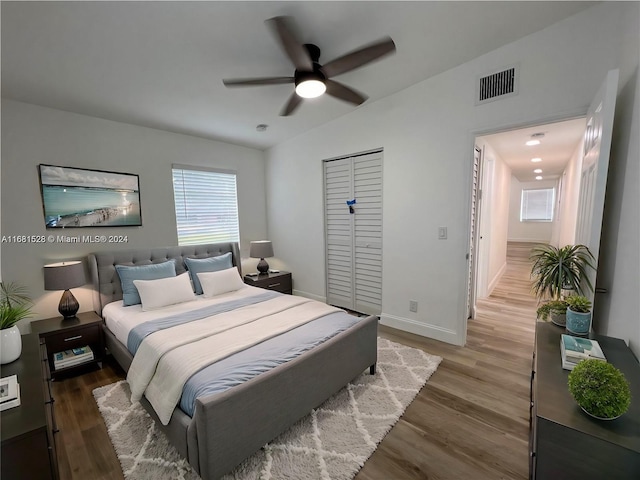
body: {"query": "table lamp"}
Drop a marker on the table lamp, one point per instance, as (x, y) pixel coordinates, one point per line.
(63, 276)
(261, 249)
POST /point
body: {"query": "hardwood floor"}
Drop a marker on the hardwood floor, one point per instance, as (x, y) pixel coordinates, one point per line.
(469, 422)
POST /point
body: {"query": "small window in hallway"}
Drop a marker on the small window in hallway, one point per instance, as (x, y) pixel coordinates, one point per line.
(537, 205)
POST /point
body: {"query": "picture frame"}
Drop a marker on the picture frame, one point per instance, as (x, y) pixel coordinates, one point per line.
(9, 392)
(78, 197)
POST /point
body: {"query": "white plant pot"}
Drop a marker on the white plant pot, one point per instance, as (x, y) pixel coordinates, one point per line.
(10, 344)
(559, 319)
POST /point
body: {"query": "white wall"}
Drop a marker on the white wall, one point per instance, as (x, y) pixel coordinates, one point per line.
(33, 135)
(539, 232)
(494, 220)
(564, 226)
(427, 133)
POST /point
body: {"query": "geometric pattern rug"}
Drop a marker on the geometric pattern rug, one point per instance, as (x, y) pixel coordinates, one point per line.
(331, 443)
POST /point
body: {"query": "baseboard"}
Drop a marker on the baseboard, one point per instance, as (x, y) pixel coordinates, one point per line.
(496, 279)
(419, 328)
(300, 293)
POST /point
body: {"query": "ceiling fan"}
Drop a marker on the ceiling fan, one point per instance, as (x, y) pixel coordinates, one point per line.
(310, 78)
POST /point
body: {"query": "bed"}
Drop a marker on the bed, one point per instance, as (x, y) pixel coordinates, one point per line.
(228, 426)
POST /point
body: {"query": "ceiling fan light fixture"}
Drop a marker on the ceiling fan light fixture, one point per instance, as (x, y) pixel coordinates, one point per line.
(310, 88)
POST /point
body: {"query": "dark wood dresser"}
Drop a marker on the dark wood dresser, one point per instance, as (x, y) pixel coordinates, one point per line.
(565, 443)
(28, 444)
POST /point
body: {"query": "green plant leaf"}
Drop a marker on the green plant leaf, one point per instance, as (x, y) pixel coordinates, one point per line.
(15, 304)
(600, 388)
(555, 269)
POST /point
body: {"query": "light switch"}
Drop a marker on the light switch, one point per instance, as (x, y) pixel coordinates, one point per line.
(442, 233)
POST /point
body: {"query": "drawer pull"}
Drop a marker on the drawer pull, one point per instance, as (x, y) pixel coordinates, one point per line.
(274, 285)
(72, 338)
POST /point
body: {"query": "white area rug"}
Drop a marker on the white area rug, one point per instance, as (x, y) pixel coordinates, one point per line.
(331, 443)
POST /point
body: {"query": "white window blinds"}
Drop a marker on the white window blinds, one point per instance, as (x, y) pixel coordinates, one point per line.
(537, 205)
(206, 205)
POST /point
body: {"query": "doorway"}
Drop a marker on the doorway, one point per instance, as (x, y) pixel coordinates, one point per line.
(579, 190)
(508, 166)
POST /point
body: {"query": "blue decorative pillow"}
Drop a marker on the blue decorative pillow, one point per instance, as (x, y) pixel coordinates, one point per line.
(211, 264)
(129, 273)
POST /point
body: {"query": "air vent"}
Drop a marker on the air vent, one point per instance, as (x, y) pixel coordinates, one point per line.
(497, 85)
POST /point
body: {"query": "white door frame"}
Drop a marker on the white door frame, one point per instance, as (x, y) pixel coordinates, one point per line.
(531, 122)
(476, 221)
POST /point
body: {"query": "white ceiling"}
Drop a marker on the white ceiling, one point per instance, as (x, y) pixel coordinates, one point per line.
(560, 141)
(161, 64)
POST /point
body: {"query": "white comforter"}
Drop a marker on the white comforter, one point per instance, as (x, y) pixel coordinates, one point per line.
(168, 358)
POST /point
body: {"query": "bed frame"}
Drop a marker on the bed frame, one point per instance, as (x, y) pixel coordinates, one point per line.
(229, 427)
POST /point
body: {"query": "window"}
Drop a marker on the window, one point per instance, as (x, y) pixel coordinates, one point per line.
(206, 205)
(537, 205)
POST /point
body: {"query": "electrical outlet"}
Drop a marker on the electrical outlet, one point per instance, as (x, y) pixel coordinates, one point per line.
(442, 233)
(413, 306)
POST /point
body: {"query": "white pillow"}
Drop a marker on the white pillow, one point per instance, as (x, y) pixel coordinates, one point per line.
(164, 291)
(222, 281)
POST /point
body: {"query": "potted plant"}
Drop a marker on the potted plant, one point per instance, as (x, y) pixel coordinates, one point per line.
(555, 269)
(15, 305)
(554, 310)
(600, 389)
(578, 314)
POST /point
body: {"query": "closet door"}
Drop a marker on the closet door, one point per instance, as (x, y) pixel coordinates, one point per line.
(354, 240)
(338, 181)
(367, 221)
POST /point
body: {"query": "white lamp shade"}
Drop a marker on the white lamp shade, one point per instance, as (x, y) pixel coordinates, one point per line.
(261, 249)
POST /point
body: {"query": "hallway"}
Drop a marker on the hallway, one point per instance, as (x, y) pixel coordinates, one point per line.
(472, 418)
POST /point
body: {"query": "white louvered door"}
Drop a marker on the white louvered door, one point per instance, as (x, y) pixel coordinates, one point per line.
(338, 184)
(354, 240)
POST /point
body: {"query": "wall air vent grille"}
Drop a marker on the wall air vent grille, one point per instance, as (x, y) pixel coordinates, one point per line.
(497, 85)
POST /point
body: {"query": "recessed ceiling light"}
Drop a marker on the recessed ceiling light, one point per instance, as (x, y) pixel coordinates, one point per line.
(535, 139)
(537, 170)
(536, 160)
(539, 177)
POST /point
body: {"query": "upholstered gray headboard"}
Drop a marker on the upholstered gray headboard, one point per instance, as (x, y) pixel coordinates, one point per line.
(105, 279)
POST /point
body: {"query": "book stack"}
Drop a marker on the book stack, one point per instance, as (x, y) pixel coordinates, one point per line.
(70, 358)
(9, 392)
(574, 349)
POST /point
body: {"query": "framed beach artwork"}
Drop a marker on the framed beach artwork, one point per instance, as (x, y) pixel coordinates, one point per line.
(76, 197)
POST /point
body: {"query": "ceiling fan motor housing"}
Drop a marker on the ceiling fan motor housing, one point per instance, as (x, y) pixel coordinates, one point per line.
(305, 76)
(316, 74)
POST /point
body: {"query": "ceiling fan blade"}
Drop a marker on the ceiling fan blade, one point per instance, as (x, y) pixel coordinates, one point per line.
(360, 57)
(282, 29)
(294, 102)
(348, 94)
(247, 82)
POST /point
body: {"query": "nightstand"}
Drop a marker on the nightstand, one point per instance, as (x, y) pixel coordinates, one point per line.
(280, 282)
(59, 334)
